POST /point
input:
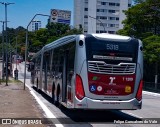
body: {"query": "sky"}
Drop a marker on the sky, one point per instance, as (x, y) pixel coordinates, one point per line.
(22, 11)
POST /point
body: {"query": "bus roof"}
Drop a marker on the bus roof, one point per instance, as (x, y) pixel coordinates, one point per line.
(111, 37)
(59, 42)
(69, 38)
(55, 43)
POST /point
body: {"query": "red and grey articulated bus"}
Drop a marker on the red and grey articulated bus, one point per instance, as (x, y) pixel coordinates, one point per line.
(91, 71)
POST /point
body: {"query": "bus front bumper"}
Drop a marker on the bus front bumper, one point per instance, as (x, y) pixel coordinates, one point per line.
(88, 103)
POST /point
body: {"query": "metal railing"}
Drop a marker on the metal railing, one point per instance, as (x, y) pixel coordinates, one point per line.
(152, 87)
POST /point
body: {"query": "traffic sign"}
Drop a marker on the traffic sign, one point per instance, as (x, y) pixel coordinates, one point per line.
(60, 16)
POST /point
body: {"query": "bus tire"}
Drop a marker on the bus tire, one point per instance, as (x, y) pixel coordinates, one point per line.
(57, 96)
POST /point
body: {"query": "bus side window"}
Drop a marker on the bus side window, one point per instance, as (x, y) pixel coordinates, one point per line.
(54, 63)
(70, 62)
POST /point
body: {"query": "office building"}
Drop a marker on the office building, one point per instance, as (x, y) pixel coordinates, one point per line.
(99, 16)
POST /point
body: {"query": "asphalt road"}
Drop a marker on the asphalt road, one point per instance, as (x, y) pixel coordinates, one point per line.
(150, 112)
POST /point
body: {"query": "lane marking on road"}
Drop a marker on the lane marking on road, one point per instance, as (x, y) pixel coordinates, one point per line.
(151, 93)
(48, 113)
(131, 114)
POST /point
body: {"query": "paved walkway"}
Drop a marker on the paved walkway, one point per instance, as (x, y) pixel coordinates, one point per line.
(18, 103)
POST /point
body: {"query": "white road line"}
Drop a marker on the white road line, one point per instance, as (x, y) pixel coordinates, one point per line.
(132, 114)
(48, 113)
(147, 93)
(151, 93)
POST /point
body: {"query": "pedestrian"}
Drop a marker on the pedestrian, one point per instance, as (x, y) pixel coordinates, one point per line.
(16, 74)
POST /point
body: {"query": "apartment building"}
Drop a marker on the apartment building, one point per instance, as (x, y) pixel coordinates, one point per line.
(35, 25)
(100, 16)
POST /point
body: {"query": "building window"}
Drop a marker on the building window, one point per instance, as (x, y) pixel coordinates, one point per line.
(101, 10)
(112, 18)
(111, 11)
(85, 16)
(97, 31)
(101, 31)
(103, 17)
(112, 4)
(129, 5)
(86, 1)
(98, 17)
(117, 18)
(85, 9)
(36, 26)
(103, 3)
(117, 4)
(111, 32)
(111, 25)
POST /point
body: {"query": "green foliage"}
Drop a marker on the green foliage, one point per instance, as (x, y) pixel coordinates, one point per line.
(152, 48)
(143, 22)
(52, 32)
(142, 18)
(37, 39)
(151, 57)
(138, 1)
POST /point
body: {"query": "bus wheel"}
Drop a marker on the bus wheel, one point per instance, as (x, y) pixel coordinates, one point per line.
(57, 97)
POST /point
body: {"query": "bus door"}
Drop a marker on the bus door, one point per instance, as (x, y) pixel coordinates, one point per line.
(64, 78)
(68, 72)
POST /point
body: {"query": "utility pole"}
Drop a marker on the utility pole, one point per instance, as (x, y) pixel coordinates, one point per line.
(5, 4)
(16, 51)
(2, 49)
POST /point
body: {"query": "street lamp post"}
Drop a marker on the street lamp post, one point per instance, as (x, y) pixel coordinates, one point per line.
(16, 52)
(2, 49)
(5, 4)
(26, 45)
(99, 21)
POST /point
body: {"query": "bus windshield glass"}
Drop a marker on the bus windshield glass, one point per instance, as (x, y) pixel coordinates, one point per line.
(111, 52)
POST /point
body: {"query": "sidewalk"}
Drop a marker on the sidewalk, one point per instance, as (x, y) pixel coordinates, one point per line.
(18, 103)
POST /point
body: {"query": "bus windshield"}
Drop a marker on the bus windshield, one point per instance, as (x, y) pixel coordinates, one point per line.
(111, 52)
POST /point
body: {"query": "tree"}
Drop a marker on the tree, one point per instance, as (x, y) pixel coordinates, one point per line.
(37, 39)
(143, 21)
(142, 18)
(152, 53)
(138, 1)
(52, 32)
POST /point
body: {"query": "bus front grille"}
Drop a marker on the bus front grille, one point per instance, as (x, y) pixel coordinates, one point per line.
(103, 68)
